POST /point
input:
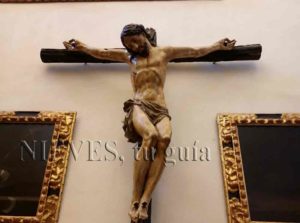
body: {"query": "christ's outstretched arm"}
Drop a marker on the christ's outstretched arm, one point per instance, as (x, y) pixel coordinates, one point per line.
(120, 55)
(193, 52)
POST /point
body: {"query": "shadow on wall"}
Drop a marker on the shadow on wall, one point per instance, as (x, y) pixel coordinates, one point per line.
(84, 69)
(218, 68)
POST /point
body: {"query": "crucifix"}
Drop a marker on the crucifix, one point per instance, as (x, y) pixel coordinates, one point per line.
(147, 121)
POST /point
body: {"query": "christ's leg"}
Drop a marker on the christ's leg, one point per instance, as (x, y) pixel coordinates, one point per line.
(157, 166)
(148, 132)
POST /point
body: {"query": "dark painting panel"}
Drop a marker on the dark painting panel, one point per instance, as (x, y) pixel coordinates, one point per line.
(24, 151)
(271, 163)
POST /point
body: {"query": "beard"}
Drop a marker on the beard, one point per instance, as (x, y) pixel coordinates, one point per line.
(144, 52)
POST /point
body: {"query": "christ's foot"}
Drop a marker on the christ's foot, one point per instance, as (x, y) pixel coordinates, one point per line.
(143, 211)
(133, 213)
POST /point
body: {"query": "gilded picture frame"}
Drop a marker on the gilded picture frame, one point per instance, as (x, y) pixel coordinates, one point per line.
(56, 164)
(236, 195)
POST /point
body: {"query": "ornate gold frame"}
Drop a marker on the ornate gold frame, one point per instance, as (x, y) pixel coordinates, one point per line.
(54, 176)
(234, 183)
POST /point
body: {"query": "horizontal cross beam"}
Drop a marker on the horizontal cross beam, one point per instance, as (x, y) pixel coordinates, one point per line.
(238, 53)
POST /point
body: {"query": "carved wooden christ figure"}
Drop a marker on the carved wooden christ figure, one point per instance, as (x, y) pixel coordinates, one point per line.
(147, 120)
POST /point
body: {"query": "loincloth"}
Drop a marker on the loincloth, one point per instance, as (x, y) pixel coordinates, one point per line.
(155, 113)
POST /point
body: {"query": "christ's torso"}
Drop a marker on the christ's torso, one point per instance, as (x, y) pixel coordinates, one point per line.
(148, 76)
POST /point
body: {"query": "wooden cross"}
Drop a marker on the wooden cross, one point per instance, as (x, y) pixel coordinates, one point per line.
(239, 53)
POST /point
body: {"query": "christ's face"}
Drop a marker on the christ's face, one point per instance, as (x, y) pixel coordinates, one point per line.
(136, 44)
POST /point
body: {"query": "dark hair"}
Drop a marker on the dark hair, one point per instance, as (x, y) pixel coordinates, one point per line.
(136, 29)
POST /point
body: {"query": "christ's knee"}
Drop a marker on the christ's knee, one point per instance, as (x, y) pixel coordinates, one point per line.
(150, 138)
(162, 144)
(149, 141)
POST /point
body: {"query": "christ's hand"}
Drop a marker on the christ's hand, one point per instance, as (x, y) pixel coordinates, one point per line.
(225, 44)
(74, 44)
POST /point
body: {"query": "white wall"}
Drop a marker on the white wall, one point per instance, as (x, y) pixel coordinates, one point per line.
(189, 191)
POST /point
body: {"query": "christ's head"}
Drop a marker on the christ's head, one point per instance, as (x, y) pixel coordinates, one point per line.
(136, 39)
